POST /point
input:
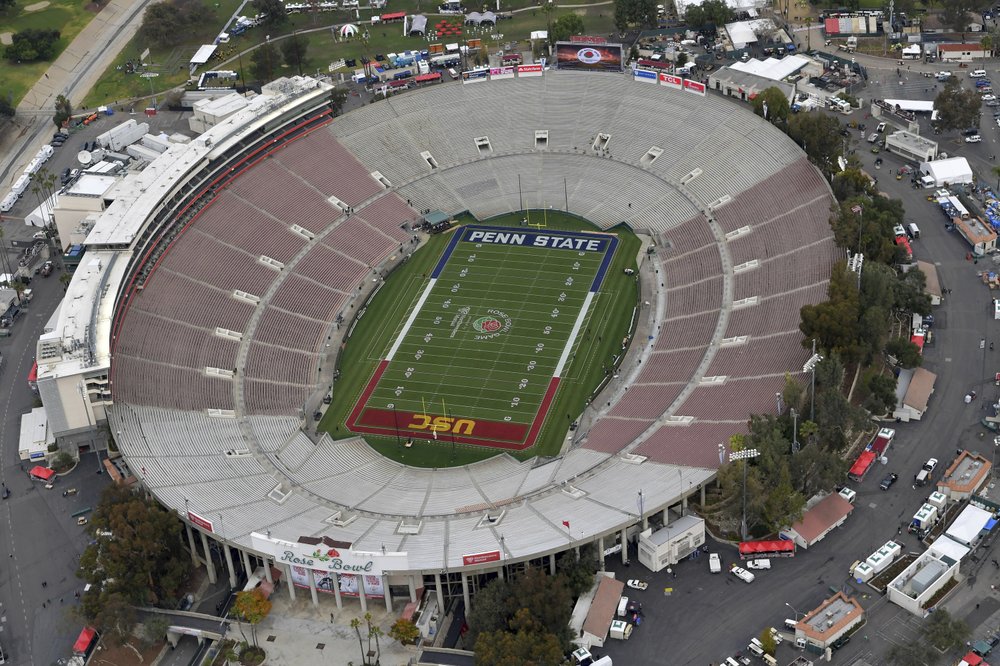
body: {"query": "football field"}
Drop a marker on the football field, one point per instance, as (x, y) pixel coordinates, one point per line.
(478, 357)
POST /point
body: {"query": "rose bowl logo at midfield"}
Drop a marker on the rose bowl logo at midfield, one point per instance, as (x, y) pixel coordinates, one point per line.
(589, 56)
(490, 325)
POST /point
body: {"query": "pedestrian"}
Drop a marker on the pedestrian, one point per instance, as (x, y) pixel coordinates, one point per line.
(45, 583)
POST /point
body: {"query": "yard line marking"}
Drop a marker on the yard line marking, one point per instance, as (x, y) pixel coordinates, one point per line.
(572, 336)
(411, 318)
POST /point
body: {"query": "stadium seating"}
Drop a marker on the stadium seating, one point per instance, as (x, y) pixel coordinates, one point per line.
(230, 464)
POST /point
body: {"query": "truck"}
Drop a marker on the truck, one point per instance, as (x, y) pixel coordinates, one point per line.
(874, 450)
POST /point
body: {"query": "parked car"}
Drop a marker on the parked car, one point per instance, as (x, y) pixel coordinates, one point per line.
(714, 563)
(759, 564)
(888, 481)
(742, 574)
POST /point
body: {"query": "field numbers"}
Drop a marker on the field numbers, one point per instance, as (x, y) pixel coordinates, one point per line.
(408, 373)
(472, 258)
(522, 385)
(576, 265)
(446, 304)
(555, 312)
(419, 354)
(569, 281)
(515, 402)
(428, 337)
(547, 330)
(463, 272)
(562, 297)
(531, 365)
(506, 418)
(454, 288)
(398, 391)
(539, 347)
(437, 320)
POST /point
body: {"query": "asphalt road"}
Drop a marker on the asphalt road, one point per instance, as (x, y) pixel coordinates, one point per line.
(41, 539)
(708, 617)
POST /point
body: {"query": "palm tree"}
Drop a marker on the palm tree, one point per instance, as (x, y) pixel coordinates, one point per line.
(356, 626)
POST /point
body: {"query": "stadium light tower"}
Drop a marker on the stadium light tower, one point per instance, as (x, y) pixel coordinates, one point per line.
(744, 455)
(810, 366)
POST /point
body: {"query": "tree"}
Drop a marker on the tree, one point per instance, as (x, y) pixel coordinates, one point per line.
(252, 607)
(631, 12)
(957, 107)
(64, 111)
(910, 293)
(137, 560)
(164, 21)
(911, 653)
(878, 392)
(834, 322)
(404, 631)
(777, 105)
(337, 98)
(274, 9)
(709, 13)
(945, 632)
(907, 354)
(7, 109)
(767, 640)
(956, 12)
(7, 4)
(489, 613)
(264, 62)
(872, 220)
(565, 27)
(986, 43)
(31, 45)
(819, 136)
(621, 14)
(526, 644)
(294, 51)
(851, 183)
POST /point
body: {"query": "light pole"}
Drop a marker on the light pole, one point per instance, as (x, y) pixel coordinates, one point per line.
(810, 366)
(859, 211)
(781, 407)
(996, 443)
(744, 455)
(794, 611)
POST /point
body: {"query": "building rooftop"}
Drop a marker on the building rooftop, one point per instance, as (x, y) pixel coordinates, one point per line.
(974, 230)
(751, 81)
(967, 473)
(91, 185)
(913, 141)
(916, 578)
(831, 617)
(929, 270)
(919, 390)
(775, 69)
(678, 526)
(828, 511)
(603, 607)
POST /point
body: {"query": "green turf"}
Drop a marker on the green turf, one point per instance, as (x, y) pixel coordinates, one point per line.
(487, 388)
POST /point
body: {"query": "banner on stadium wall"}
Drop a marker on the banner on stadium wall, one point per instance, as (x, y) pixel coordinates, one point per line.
(501, 72)
(589, 57)
(348, 583)
(476, 75)
(329, 559)
(671, 81)
(694, 87)
(644, 75)
(529, 70)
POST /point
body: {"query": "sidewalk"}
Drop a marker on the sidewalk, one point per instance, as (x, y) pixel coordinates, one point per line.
(304, 634)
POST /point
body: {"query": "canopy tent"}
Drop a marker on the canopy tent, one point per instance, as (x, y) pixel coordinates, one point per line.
(203, 53)
(418, 24)
(750, 548)
(42, 473)
(915, 105)
(475, 18)
(954, 170)
(348, 29)
(775, 69)
(967, 526)
(84, 640)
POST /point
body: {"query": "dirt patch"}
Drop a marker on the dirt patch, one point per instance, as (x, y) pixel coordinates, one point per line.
(123, 656)
(37, 7)
(6, 38)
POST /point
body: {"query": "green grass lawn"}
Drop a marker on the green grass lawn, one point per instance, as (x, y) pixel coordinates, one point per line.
(69, 17)
(480, 378)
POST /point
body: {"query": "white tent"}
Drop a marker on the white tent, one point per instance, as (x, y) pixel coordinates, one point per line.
(418, 24)
(736, 5)
(203, 53)
(915, 105)
(954, 170)
(968, 525)
(348, 29)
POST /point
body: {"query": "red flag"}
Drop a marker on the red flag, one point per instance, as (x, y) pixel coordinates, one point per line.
(566, 523)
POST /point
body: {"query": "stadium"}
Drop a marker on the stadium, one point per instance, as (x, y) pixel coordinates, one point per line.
(205, 322)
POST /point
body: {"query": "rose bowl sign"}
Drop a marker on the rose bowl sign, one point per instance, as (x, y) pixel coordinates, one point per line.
(324, 558)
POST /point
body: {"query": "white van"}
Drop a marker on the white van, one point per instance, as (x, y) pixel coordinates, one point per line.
(759, 564)
(714, 563)
(845, 492)
(978, 73)
(913, 231)
(791, 624)
(452, 73)
(623, 607)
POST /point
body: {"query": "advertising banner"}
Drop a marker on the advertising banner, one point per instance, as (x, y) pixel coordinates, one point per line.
(694, 87)
(502, 73)
(589, 57)
(481, 558)
(203, 523)
(327, 559)
(671, 81)
(348, 583)
(529, 70)
(644, 75)
(476, 75)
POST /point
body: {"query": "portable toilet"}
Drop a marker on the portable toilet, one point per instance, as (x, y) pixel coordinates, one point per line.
(863, 572)
(938, 500)
(621, 630)
(925, 517)
(878, 561)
